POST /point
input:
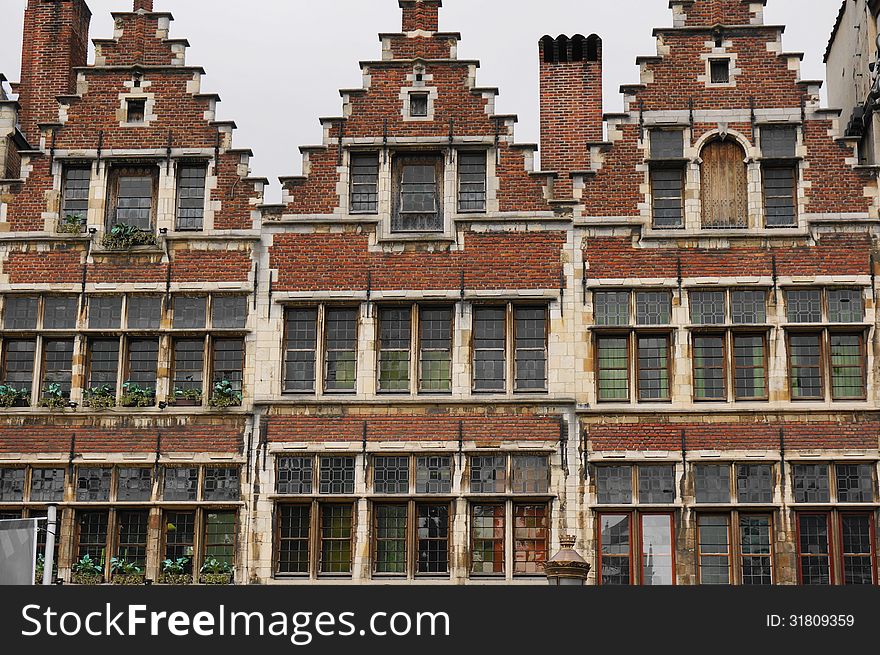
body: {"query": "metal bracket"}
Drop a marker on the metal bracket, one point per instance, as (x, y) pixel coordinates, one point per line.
(873, 279)
(168, 152)
(256, 282)
(100, 146)
(460, 443)
(585, 282)
(385, 141)
(563, 443)
(680, 278)
(782, 459)
(364, 446)
(775, 275)
(217, 154)
(339, 144)
(158, 451)
(72, 454)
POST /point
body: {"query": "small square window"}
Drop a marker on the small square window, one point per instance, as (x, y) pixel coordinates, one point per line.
(144, 312)
(391, 475)
(614, 485)
(712, 483)
(653, 307)
(804, 305)
(434, 474)
(181, 484)
(134, 484)
(846, 306)
(294, 475)
(754, 483)
(719, 71)
(488, 474)
(105, 312)
(667, 144)
(611, 307)
(12, 484)
(47, 485)
(20, 312)
(228, 312)
(418, 105)
(748, 307)
(779, 142)
(656, 484)
(337, 475)
(855, 483)
(59, 313)
(222, 483)
(531, 474)
(189, 312)
(136, 110)
(707, 307)
(811, 483)
(93, 484)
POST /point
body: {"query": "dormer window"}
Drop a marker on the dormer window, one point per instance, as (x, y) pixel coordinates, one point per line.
(418, 204)
(136, 110)
(418, 105)
(365, 183)
(719, 71)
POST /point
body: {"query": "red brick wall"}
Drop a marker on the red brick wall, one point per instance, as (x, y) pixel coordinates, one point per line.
(26, 206)
(421, 15)
(835, 254)
(650, 435)
(510, 260)
(518, 191)
(412, 428)
(421, 47)
(615, 189)
(836, 187)
(713, 12)
(56, 34)
(316, 194)
(191, 438)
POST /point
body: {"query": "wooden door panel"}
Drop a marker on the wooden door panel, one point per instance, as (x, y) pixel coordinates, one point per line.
(724, 186)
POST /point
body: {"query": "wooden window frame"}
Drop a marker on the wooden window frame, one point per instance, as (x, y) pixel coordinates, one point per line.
(841, 554)
(399, 162)
(629, 514)
(747, 333)
(132, 170)
(668, 335)
(629, 373)
(725, 364)
(672, 165)
(640, 515)
(698, 551)
(792, 165)
(830, 541)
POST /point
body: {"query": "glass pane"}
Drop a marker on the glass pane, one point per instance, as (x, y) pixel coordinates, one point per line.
(432, 525)
(804, 305)
(531, 474)
(657, 550)
(229, 312)
(57, 370)
(611, 307)
(667, 144)
(813, 549)
(365, 182)
(228, 362)
(530, 534)
(220, 530)
(806, 366)
(134, 484)
(750, 366)
(222, 484)
(395, 325)
(614, 485)
(709, 374)
(811, 483)
(105, 312)
(754, 483)
(12, 485)
(530, 334)
(858, 549)
(488, 474)
(487, 539)
(779, 141)
(780, 195)
(295, 475)
(93, 484)
(847, 366)
(60, 312)
(294, 523)
(336, 533)
(75, 195)
(653, 307)
(18, 370)
(302, 340)
(143, 360)
(748, 307)
(714, 542)
(341, 346)
(391, 475)
(144, 312)
(180, 534)
(390, 534)
(755, 535)
(712, 483)
(47, 485)
(189, 361)
(656, 484)
(614, 535)
(435, 332)
(855, 483)
(92, 536)
(181, 484)
(132, 538)
(337, 475)
(190, 312)
(190, 196)
(613, 368)
(667, 189)
(846, 306)
(472, 181)
(653, 367)
(707, 307)
(489, 349)
(434, 474)
(20, 312)
(134, 201)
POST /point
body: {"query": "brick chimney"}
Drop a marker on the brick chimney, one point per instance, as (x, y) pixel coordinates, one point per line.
(421, 15)
(146, 5)
(56, 35)
(571, 101)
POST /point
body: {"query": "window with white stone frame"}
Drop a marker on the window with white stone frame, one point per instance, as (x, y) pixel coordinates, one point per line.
(668, 170)
(780, 172)
(417, 190)
(510, 346)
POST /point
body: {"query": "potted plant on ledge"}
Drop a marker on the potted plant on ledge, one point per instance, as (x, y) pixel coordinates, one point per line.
(126, 237)
(123, 572)
(102, 397)
(174, 571)
(71, 224)
(190, 397)
(12, 397)
(53, 397)
(225, 395)
(88, 571)
(215, 571)
(134, 395)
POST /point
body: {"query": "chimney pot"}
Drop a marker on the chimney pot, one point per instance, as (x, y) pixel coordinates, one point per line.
(421, 15)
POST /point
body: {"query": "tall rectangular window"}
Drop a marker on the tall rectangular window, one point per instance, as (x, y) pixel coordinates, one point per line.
(814, 555)
(432, 526)
(92, 536)
(389, 529)
(848, 359)
(780, 194)
(180, 536)
(365, 183)
(530, 537)
(103, 364)
(714, 549)
(612, 355)
(219, 539)
(667, 173)
(189, 356)
(805, 366)
(228, 363)
(18, 366)
(653, 369)
(472, 182)
(75, 195)
(336, 535)
(489, 349)
(341, 334)
(435, 349)
(132, 530)
(857, 549)
(294, 523)
(710, 376)
(142, 367)
(487, 539)
(191, 196)
(418, 204)
(530, 334)
(615, 549)
(302, 341)
(133, 192)
(657, 550)
(395, 340)
(750, 362)
(755, 533)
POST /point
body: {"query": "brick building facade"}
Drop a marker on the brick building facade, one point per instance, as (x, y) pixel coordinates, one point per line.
(432, 360)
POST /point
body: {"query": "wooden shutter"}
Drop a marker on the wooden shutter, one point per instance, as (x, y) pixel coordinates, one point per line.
(725, 186)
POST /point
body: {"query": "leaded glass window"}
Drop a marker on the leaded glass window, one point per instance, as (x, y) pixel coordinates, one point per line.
(190, 312)
(750, 366)
(435, 349)
(614, 485)
(20, 312)
(295, 475)
(814, 554)
(846, 306)
(847, 366)
(615, 556)
(134, 484)
(302, 340)
(12, 485)
(222, 483)
(472, 182)
(60, 312)
(754, 483)
(531, 348)
(336, 475)
(47, 485)
(191, 196)
(714, 547)
(811, 483)
(434, 474)
(336, 534)
(653, 307)
(432, 525)
(75, 194)
(611, 307)
(365, 183)
(712, 483)
(132, 530)
(656, 484)
(710, 376)
(395, 337)
(391, 474)
(93, 484)
(489, 349)
(653, 366)
(488, 474)
(804, 305)
(105, 312)
(530, 536)
(229, 312)
(613, 365)
(855, 483)
(707, 307)
(531, 474)
(805, 364)
(293, 539)
(390, 536)
(181, 484)
(487, 539)
(857, 549)
(755, 549)
(341, 349)
(144, 312)
(748, 307)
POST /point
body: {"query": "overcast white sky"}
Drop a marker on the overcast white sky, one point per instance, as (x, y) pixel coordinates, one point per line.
(278, 64)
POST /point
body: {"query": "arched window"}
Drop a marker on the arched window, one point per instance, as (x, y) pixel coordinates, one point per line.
(724, 186)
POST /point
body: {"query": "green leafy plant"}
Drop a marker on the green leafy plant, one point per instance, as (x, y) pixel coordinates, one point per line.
(216, 566)
(191, 394)
(121, 566)
(225, 395)
(40, 569)
(71, 224)
(101, 397)
(12, 397)
(88, 566)
(176, 566)
(134, 395)
(53, 397)
(124, 237)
